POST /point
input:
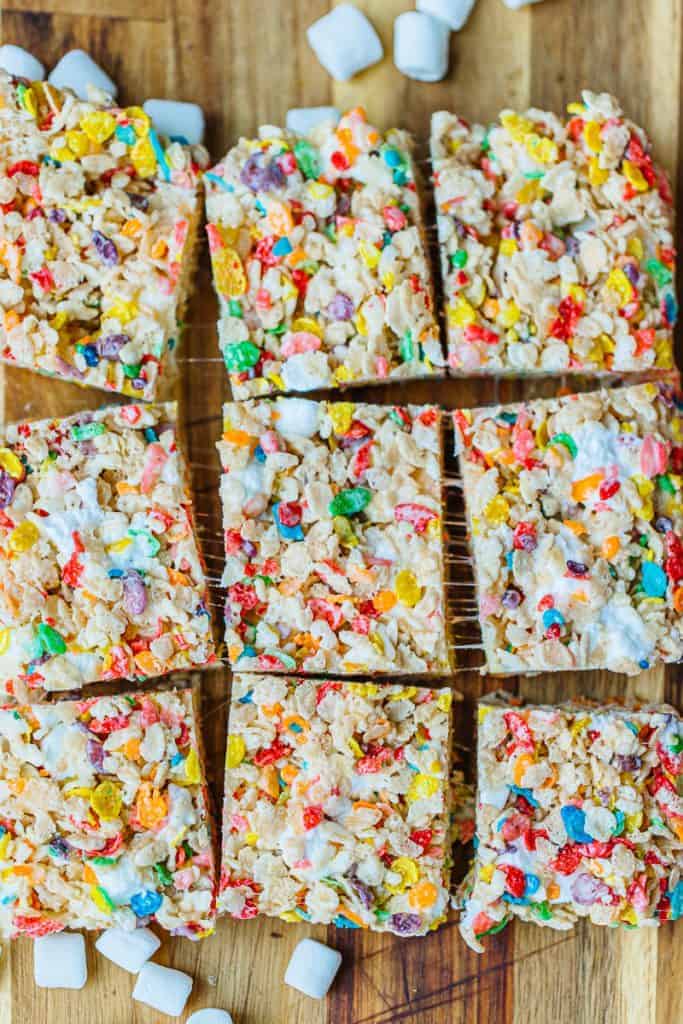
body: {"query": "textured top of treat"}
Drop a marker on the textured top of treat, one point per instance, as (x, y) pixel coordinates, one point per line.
(105, 817)
(556, 242)
(101, 573)
(336, 803)
(95, 213)
(578, 814)
(576, 521)
(332, 519)
(318, 259)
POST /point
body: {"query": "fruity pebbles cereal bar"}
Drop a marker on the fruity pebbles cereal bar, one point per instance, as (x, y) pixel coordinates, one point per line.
(105, 817)
(579, 814)
(556, 245)
(319, 261)
(574, 509)
(336, 804)
(98, 218)
(100, 574)
(332, 520)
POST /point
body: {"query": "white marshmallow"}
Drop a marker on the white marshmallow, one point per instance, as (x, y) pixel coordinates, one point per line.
(163, 988)
(313, 968)
(129, 950)
(210, 1016)
(302, 120)
(59, 961)
(21, 63)
(173, 118)
(421, 46)
(77, 70)
(515, 5)
(344, 42)
(454, 12)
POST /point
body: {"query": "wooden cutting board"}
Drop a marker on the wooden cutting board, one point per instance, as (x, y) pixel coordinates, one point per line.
(246, 62)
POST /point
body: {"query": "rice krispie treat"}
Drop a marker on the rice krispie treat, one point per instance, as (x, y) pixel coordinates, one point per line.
(579, 814)
(319, 260)
(556, 243)
(98, 220)
(100, 574)
(575, 516)
(105, 817)
(336, 803)
(334, 550)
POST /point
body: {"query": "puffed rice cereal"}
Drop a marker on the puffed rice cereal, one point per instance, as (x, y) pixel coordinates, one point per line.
(319, 260)
(336, 804)
(579, 814)
(98, 221)
(100, 574)
(334, 550)
(556, 243)
(575, 516)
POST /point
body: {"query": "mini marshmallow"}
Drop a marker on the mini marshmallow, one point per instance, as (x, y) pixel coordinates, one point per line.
(344, 42)
(76, 71)
(421, 46)
(210, 1016)
(163, 988)
(176, 119)
(302, 120)
(21, 63)
(313, 968)
(454, 12)
(129, 950)
(59, 961)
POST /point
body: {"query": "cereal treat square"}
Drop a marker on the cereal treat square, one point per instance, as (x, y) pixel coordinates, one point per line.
(333, 533)
(556, 243)
(98, 221)
(101, 577)
(575, 515)
(319, 260)
(105, 817)
(579, 814)
(336, 804)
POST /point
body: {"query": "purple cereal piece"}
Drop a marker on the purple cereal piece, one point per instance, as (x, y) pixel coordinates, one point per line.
(110, 345)
(632, 273)
(134, 593)
(579, 568)
(57, 216)
(259, 177)
(341, 307)
(95, 752)
(106, 249)
(511, 598)
(249, 548)
(586, 890)
(8, 486)
(405, 924)
(68, 369)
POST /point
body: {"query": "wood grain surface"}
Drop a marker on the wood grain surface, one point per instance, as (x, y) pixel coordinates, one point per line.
(246, 62)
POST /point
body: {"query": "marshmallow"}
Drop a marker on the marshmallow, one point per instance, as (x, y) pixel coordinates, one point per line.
(176, 119)
(59, 961)
(210, 1016)
(344, 42)
(313, 968)
(302, 120)
(77, 70)
(163, 988)
(454, 12)
(129, 950)
(421, 46)
(21, 63)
